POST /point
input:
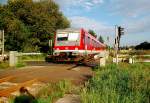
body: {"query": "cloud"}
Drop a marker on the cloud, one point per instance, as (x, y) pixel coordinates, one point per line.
(88, 23)
(135, 31)
(86, 4)
(130, 8)
(100, 28)
(134, 15)
(138, 26)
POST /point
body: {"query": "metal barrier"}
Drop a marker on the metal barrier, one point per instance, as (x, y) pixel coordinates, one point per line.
(132, 59)
(13, 56)
(102, 56)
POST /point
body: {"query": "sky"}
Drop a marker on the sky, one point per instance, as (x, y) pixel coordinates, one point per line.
(102, 16)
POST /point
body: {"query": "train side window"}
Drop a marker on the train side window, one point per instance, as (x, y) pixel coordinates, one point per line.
(95, 43)
(73, 36)
(91, 42)
(88, 41)
(84, 39)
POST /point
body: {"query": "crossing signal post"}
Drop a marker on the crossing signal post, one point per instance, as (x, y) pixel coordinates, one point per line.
(119, 32)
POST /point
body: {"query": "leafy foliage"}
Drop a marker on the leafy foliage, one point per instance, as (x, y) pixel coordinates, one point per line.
(28, 24)
(143, 46)
(92, 32)
(101, 39)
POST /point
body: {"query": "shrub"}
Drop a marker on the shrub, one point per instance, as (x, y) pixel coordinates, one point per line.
(118, 84)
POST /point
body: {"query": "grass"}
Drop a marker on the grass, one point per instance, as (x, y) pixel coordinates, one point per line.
(51, 92)
(20, 64)
(134, 52)
(124, 83)
(22, 59)
(119, 84)
(4, 65)
(33, 58)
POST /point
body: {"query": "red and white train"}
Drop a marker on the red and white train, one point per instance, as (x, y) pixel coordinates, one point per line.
(72, 44)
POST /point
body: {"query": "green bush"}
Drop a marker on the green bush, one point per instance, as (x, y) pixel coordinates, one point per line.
(118, 84)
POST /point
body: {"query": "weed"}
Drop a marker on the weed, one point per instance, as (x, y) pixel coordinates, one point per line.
(53, 91)
(118, 84)
(4, 65)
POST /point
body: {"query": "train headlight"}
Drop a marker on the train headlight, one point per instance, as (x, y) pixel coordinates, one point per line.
(57, 49)
(76, 48)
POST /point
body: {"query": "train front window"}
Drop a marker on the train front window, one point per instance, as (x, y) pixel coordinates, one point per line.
(67, 37)
(62, 37)
(73, 36)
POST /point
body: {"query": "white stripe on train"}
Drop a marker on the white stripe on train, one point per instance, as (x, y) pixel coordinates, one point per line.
(79, 51)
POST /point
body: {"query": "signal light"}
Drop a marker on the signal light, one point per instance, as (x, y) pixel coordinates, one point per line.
(120, 31)
(76, 48)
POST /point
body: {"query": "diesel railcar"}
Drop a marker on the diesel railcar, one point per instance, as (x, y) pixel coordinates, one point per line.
(74, 44)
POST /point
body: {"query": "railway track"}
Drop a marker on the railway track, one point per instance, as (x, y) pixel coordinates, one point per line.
(8, 89)
(35, 77)
(5, 79)
(90, 62)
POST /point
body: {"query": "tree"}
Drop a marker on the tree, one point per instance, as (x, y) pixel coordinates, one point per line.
(92, 32)
(101, 39)
(144, 46)
(28, 25)
(15, 30)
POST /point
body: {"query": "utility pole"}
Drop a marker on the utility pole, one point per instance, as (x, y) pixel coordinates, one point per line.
(2, 43)
(118, 32)
(116, 44)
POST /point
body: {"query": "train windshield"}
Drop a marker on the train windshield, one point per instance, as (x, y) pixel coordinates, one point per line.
(67, 36)
(62, 37)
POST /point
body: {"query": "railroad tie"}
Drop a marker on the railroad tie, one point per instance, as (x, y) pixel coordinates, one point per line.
(5, 79)
(6, 92)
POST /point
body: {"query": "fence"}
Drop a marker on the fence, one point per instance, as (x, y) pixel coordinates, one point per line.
(14, 56)
(132, 59)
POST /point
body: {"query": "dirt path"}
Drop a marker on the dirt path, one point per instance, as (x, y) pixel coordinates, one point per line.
(49, 73)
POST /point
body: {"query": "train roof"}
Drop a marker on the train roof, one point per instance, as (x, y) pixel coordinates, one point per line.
(69, 29)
